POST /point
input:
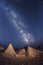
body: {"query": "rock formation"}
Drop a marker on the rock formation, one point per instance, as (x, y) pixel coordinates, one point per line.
(21, 53)
(32, 53)
(10, 51)
(1, 48)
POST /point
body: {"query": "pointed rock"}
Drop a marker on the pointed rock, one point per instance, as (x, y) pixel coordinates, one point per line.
(32, 52)
(21, 53)
(10, 51)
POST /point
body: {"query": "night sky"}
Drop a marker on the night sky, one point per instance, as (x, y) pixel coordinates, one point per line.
(21, 22)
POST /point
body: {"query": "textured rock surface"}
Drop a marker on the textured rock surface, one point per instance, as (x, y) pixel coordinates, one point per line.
(10, 51)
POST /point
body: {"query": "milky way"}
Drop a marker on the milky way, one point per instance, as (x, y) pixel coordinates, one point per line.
(21, 22)
(27, 37)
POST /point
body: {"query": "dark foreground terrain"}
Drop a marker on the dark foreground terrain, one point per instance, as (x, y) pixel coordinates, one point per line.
(27, 60)
(24, 61)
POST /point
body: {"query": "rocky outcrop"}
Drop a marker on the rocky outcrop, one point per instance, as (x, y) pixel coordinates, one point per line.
(10, 51)
(32, 53)
(21, 53)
